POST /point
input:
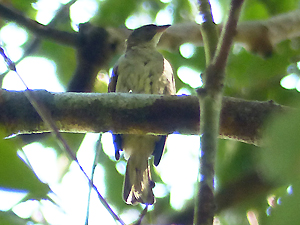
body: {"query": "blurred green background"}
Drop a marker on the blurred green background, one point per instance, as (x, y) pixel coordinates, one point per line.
(254, 185)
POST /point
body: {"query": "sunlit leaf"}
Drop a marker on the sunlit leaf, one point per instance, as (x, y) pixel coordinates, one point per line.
(9, 218)
(25, 6)
(114, 12)
(15, 174)
(254, 10)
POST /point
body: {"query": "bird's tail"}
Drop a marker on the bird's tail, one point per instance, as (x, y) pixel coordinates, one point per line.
(138, 184)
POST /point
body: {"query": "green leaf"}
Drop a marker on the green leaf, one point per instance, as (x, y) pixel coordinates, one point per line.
(254, 10)
(9, 218)
(251, 77)
(115, 12)
(276, 7)
(25, 6)
(288, 210)
(280, 159)
(15, 174)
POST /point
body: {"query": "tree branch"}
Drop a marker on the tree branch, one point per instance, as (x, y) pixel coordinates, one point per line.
(210, 104)
(40, 30)
(210, 100)
(132, 113)
(257, 36)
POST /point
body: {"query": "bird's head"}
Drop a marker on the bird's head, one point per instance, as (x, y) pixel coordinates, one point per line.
(147, 35)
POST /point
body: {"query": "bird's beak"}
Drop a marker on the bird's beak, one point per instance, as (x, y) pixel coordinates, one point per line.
(162, 28)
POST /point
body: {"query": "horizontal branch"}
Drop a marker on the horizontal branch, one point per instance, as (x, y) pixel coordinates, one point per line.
(40, 30)
(131, 113)
(258, 36)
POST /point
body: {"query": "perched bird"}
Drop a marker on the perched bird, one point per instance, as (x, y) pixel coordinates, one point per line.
(142, 69)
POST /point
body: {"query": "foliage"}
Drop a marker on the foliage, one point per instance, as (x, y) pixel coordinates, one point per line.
(272, 168)
(23, 179)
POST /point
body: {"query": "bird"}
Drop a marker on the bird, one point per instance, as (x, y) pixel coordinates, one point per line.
(141, 70)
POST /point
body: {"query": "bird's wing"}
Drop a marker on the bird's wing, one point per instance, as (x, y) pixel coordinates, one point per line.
(117, 138)
(169, 90)
(159, 149)
(113, 80)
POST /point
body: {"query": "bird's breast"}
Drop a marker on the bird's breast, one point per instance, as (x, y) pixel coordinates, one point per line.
(142, 73)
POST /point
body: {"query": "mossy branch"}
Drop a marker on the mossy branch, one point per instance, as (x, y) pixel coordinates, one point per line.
(241, 120)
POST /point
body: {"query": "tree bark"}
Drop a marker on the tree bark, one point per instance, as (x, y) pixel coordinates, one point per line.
(131, 113)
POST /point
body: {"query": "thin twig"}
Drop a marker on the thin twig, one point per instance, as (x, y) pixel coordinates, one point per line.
(209, 30)
(98, 148)
(142, 215)
(227, 35)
